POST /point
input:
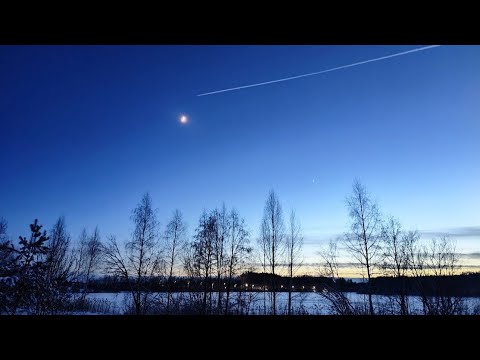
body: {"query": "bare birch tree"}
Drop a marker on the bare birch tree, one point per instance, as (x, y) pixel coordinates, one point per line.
(59, 263)
(397, 257)
(273, 239)
(237, 249)
(363, 240)
(261, 252)
(88, 258)
(294, 243)
(204, 255)
(222, 231)
(175, 242)
(337, 301)
(191, 266)
(141, 259)
(434, 266)
(59, 268)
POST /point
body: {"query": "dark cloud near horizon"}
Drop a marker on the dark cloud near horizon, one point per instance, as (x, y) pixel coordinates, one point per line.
(473, 256)
(314, 264)
(464, 231)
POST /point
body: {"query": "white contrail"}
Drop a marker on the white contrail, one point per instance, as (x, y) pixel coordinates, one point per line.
(321, 72)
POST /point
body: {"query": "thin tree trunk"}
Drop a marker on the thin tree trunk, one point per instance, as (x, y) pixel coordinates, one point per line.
(264, 281)
(367, 258)
(172, 258)
(274, 303)
(229, 283)
(290, 287)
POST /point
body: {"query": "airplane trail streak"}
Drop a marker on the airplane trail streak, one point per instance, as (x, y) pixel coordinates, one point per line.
(321, 72)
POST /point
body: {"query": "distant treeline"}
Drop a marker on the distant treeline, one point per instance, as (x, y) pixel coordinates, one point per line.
(454, 285)
(457, 285)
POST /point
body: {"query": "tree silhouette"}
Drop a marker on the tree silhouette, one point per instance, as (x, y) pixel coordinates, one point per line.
(397, 257)
(294, 242)
(142, 259)
(237, 250)
(23, 271)
(363, 240)
(88, 256)
(175, 243)
(273, 239)
(204, 255)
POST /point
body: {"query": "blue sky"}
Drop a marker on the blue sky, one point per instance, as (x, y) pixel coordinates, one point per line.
(86, 130)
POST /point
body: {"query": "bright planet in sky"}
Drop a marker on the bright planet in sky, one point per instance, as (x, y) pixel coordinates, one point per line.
(183, 119)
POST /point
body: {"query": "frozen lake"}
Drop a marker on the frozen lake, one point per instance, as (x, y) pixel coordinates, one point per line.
(253, 303)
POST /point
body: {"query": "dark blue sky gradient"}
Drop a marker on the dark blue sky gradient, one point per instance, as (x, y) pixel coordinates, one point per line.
(86, 130)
